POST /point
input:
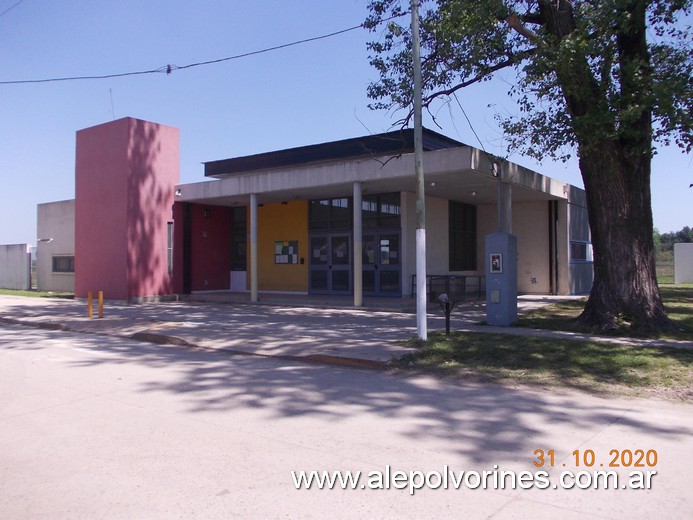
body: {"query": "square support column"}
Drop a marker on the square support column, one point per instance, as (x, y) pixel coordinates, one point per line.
(253, 249)
(358, 246)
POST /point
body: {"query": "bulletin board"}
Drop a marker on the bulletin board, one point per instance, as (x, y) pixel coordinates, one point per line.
(286, 252)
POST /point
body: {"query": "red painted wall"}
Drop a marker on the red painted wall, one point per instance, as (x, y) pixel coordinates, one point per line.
(210, 247)
(125, 175)
(179, 247)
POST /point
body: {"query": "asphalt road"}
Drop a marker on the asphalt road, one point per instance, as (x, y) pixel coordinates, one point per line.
(102, 427)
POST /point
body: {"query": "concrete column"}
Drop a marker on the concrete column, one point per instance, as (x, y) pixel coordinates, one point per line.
(358, 246)
(253, 248)
(507, 208)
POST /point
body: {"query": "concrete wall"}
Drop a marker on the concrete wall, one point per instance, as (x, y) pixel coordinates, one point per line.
(56, 237)
(437, 236)
(126, 171)
(683, 263)
(530, 223)
(437, 239)
(15, 267)
(531, 227)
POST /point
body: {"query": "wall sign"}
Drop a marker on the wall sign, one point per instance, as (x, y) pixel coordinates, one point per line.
(286, 252)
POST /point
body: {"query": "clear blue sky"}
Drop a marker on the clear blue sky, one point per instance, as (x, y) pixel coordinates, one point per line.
(295, 96)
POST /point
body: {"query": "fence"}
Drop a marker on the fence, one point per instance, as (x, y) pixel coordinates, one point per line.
(457, 287)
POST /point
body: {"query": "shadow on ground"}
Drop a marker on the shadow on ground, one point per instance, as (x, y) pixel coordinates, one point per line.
(486, 423)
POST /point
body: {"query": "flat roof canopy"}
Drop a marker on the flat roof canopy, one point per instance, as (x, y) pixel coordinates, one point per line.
(382, 163)
(378, 145)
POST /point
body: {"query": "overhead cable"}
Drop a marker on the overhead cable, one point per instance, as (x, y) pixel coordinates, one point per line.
(168, 69)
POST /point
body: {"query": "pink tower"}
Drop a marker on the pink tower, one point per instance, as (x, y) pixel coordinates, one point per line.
(125, 174)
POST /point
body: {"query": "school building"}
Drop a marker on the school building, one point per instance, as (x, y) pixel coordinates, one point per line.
(329, 218)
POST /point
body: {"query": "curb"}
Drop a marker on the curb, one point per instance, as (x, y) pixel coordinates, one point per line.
(46, 325)
(163, 339)
(160, 339)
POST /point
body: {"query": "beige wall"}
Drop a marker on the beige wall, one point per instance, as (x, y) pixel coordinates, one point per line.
(530, 223)
(531, 226)
(15, 264)
(56, 236)
(487, 222)
(683, 263)
(437, 241)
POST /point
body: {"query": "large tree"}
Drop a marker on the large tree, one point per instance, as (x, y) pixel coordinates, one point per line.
(606, 79)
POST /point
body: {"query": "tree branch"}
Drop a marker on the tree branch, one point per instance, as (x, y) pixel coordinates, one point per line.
(533, 18)
(426, 102)
(516, 24)
(512, 60)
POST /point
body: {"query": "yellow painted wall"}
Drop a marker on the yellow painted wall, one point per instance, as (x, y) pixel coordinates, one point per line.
(282, 222)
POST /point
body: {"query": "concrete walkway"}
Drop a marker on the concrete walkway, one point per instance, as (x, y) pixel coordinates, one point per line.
(306, 329)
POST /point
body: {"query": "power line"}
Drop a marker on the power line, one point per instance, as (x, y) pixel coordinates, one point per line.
(269, 49)
(11, 7)
(75, 78)
(470, 124)
(168, 69)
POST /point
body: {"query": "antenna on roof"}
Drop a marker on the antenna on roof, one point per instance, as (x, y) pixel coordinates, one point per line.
(110, 90)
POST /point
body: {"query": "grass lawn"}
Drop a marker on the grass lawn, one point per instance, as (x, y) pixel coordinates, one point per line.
(36, 294)
(678, 302)
(598, 368)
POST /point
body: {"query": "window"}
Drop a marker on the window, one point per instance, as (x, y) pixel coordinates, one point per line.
(329, 214)
(239, 238)
(169, 247)
(462, 236)
(580, 252)
(381, 211)
(64, 264)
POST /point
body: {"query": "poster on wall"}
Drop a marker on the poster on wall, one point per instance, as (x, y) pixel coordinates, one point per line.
(286, 252)
(496, 263)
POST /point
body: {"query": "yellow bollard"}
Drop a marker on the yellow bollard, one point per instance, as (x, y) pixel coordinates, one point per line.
(100, 304)
(90, 304)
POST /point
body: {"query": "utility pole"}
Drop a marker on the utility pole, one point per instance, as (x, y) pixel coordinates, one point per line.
(421, 296)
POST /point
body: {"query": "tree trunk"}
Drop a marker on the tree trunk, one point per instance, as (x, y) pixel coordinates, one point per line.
(615, 161)
(625, 290)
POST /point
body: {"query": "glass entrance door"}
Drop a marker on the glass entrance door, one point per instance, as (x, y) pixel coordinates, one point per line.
(381, 264)
(330, 264)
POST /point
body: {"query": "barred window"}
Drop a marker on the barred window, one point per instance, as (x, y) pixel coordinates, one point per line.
(63, 264)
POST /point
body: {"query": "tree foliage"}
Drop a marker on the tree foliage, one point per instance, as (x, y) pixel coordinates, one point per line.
(684, 235)
(607, 79)
(568, 85)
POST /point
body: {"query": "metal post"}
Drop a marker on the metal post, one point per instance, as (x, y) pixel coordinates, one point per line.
(253, 249)
(448, 310)
(507, 208)
(499, 198)
(100, 304)
(358, 246)
(90, 304)
(421, 325)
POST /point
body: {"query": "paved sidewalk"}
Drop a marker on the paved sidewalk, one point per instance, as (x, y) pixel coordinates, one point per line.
(361, 337)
